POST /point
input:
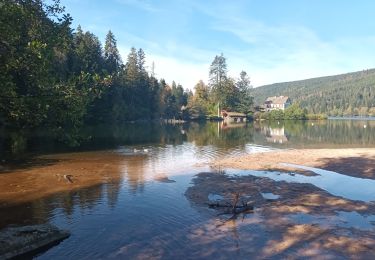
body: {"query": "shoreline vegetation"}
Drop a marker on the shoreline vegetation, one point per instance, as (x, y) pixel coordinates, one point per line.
(59, 79)
(57, 76)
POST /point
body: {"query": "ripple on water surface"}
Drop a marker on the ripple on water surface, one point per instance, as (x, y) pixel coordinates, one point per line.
(346, 219)
(337, 184)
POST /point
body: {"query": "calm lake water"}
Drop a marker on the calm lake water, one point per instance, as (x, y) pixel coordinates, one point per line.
(146, 214)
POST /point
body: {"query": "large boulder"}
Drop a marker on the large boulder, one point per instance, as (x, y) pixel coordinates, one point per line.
(17, 241)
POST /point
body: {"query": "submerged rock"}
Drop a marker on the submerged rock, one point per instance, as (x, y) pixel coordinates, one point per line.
(17, 241)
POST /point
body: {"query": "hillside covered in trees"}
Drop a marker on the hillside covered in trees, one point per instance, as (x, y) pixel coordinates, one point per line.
(348, 94)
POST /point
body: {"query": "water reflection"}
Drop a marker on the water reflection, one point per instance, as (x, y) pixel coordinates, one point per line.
(351, 219)
(315, 134)
(335, 183)
(145, 168)
(275, 135)
(328, 133)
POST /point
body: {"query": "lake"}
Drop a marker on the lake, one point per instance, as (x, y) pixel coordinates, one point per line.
(143, 212)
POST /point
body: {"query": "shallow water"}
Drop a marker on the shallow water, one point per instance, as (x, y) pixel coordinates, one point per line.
(145, 213)
(269, 196)
(337, 184)
(342, 219)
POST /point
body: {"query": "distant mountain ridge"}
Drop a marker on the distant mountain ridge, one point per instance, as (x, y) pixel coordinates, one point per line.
(345, 94)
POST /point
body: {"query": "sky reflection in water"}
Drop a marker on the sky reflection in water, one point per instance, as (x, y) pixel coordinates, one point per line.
(145, 209)
(335, 183)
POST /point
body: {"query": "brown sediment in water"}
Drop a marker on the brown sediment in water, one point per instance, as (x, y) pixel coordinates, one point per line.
(278, 234)
(354, 162)
(304, 221)
(63, 173)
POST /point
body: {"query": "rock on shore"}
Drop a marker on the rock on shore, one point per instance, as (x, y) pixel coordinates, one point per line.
(17, 241)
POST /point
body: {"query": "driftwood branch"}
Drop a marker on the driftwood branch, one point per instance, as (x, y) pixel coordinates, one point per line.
(233, 208)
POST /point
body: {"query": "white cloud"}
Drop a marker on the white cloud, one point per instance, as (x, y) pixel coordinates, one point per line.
(171, 69)
(269, 53)
(185, 73)
(287, 53)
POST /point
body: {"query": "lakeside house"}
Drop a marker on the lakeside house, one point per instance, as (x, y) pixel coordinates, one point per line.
(233, 117)
(277, 103)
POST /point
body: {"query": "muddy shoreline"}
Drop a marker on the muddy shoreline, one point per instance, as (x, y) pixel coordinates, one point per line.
(297, 220)
(357, 162)
(52, 174)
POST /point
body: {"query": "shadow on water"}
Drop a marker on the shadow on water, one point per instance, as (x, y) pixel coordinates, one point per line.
(138, 208)
(296, 220)
(346, 166)
(41, 210)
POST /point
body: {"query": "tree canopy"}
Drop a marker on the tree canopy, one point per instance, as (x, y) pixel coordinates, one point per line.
(52, 75)
(222, 92)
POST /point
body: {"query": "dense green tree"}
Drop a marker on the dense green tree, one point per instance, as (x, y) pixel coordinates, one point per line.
(295, 112)
(53, 76)
(38, 86)
(111, 53)
(218, 78)
(245, 103)
(199, 102)
(218, 71)
(222, 92)
(87, 53)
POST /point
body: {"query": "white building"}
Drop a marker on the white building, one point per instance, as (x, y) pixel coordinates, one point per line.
(277, 103)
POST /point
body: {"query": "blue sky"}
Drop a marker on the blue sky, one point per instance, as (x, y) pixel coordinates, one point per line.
(273, 41)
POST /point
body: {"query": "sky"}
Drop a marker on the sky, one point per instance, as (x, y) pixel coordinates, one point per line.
(272, 40)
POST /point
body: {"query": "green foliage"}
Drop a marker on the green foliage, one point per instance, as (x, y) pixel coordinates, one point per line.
(53, 76)
(275, 115)
(341, 95)
(316, 116)
(199, 102)
(294, 112)
(222, 92)
(245, 98)
(35, 68)
(111, 53)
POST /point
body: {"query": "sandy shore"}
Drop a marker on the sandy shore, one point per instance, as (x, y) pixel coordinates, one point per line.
(354, 162)
(52, 174)
(300, 221)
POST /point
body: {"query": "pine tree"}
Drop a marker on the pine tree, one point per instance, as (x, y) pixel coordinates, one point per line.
(245, 97)
(111, 53)
(141, 60)
(218, 71)
(131, 68)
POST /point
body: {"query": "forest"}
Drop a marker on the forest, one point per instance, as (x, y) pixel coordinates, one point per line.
(53, 75)
(351, 94)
